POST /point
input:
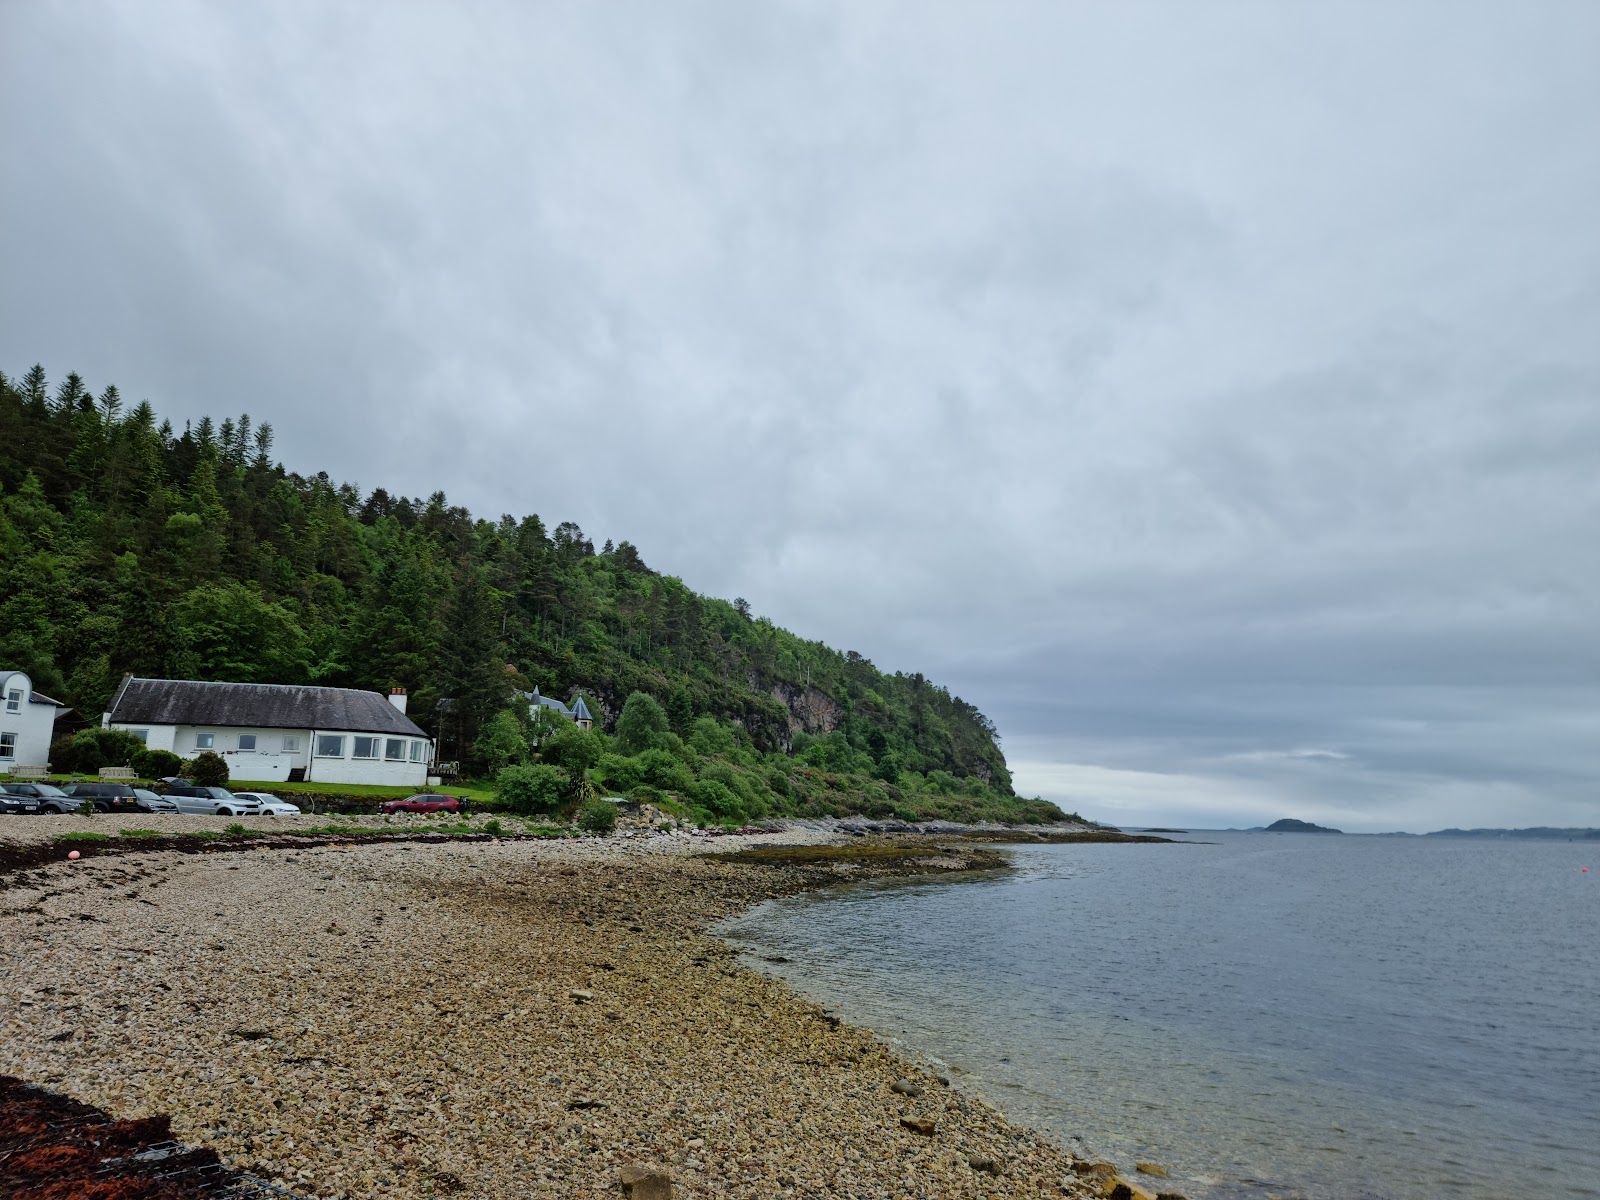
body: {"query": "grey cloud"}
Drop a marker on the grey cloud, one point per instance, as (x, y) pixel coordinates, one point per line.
(1190, 390)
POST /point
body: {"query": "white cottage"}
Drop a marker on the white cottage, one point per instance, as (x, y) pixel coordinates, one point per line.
(27, 719)
(271, 732)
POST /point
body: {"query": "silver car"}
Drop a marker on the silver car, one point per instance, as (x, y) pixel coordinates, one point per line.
(271, 806)
(212, 802)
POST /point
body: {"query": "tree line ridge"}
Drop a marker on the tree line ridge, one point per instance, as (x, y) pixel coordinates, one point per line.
(128, 547)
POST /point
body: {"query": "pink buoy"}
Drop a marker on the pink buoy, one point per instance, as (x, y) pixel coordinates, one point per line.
(73, 856)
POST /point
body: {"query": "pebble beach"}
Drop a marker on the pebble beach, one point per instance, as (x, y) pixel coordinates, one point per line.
(508, 1018)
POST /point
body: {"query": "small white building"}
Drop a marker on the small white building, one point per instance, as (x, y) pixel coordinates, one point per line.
(27, 720)
(270, 732)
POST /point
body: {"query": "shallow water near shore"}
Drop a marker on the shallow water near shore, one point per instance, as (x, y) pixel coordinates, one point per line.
(1332, 1018)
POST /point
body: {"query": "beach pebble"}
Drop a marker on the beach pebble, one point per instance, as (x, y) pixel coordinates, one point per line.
(646, 1182)
(431, 1054)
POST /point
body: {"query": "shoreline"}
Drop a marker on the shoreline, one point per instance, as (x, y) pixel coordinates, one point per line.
(487, 1018)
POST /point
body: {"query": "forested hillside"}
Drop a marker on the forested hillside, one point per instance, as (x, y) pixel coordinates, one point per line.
(128, 546)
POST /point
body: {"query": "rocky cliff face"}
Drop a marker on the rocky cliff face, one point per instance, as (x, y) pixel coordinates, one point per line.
(810, 710)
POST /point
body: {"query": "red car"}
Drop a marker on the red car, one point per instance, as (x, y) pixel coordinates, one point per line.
(425, 802)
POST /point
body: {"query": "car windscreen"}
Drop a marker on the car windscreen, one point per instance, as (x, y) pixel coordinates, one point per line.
(219, 793)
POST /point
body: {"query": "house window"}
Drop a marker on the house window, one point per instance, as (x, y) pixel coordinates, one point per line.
(417, 750)
(330, 746)
(13, 701)
(366, 747)
(142, 734)
(291, 745)
(204, 741)
(8, 745)
(247, 741)
(394, 750)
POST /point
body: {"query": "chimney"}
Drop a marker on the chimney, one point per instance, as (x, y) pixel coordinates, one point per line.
(397, 697)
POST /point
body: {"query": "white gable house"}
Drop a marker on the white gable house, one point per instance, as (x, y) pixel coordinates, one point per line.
(27, 719)
(269, 732)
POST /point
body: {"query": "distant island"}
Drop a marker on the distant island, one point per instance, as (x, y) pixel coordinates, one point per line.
(1290, 825)
(1542, 832)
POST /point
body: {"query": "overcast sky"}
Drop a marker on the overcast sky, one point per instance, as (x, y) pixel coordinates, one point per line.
(1209, 393)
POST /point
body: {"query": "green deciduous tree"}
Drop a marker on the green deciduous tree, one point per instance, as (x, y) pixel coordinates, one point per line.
(640, 721)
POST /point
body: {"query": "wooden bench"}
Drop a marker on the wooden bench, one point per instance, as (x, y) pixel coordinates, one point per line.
(121, 774)
(30, 772)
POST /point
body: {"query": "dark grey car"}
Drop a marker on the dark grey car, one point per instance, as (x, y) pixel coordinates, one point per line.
(50, 798)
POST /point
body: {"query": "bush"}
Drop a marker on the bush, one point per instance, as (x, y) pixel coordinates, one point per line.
(598, 816)
(710, 736)
(156, 764)
(573, 749)
(620, 774)
(530, 790)
(719, 799)
(90, 749)
(210, 769)
(661, 770)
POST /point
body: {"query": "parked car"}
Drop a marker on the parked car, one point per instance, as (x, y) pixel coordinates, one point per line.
(51, 799)
(271, 806)
(107, 797)
(424, 802)
(154, 803)
(211, 801)
(14, 805)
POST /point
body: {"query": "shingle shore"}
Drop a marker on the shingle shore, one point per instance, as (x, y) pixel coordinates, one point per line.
(506, 1019)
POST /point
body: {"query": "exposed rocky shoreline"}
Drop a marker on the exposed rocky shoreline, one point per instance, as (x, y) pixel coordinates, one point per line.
(486, 1018)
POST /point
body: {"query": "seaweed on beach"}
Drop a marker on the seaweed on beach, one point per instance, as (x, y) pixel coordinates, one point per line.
(887, 858)
(53, 1147)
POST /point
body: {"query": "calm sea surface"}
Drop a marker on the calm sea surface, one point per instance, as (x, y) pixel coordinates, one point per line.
(1269, 1015)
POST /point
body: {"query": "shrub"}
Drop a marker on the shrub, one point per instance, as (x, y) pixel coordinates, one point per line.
(210, 769)
(156, 764)
(711, 736)
(90, 749)
(235, 830)
(573, 749)
(529, 790)
(619, 773)
(494, 828)
(663, 771)
(719, 799)
(598, 816)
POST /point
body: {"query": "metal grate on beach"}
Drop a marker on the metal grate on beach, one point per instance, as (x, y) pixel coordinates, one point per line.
(53, 1145)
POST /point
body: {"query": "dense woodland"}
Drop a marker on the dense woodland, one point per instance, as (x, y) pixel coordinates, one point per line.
(127, 546)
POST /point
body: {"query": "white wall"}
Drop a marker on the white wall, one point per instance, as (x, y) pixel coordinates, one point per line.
(349, 769)
(32, 723)
(157, 737)
(270, 763)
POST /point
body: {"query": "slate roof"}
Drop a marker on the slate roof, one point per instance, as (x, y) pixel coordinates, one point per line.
(578, 712)
(264, 705)
(534, 697)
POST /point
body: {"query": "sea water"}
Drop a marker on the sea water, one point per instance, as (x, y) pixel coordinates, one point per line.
(1267, 1015)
